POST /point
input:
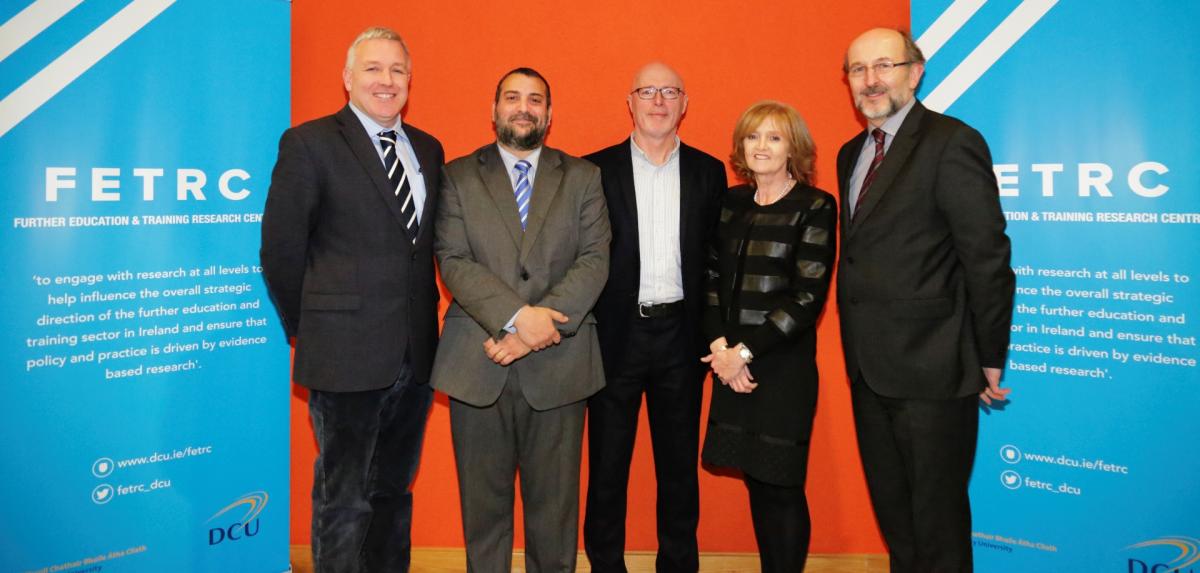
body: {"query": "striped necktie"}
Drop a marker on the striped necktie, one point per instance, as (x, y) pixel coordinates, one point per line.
(399, 181)
(878, 134)
(522, 190)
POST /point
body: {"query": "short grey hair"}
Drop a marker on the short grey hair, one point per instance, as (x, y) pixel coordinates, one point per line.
(374, 33)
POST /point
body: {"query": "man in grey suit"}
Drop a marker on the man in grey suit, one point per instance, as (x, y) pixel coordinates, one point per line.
(347, 253)
(522, 242)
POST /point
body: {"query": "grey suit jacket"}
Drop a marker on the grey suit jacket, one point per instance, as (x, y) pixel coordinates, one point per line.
(925, 291)
(493, 268)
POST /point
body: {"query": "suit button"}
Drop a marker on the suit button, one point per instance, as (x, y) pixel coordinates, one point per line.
(853, 300)
(849, 260)
(524, 275)
(414, 256)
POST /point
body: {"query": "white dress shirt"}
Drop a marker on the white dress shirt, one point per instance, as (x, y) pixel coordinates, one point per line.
(657, 191)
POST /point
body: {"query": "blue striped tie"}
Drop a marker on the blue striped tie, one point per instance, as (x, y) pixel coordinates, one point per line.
(522, 190)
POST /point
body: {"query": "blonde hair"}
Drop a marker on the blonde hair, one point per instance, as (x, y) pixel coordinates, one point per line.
(801, 149)
(374, 33)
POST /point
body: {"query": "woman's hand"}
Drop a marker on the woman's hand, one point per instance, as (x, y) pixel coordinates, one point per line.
(725, 362)
(713, 348)
(718, 345)
(742, 383)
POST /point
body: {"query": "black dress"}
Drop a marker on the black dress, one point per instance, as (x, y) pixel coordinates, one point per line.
(769, 273)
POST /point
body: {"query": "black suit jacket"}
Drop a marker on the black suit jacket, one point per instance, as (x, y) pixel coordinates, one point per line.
(702, 184)
(925, 290)
(348, 283)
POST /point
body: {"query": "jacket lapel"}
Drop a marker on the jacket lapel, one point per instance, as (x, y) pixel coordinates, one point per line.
(545, 187)
(499, 186)
(628, 190)
(846, 169)
(893, 162)
(364, 150)
(689, 185)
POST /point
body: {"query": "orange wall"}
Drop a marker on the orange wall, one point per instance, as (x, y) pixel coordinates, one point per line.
(730, 54)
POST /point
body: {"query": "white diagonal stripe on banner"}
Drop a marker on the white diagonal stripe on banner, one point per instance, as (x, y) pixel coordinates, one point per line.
(985, 55)
(36, 91)
(946, 25)
(30, 22)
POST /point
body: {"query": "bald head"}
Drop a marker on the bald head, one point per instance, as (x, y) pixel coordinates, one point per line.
(653, 74)
(656, 120)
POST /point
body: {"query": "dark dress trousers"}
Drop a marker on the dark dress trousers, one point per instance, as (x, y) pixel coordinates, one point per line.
(655, 356)
(769, 277)
(925, 295)
(360, 299)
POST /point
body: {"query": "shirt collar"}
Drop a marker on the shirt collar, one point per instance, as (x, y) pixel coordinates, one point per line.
(892, 125)
(637, 151)
(374, 128)
(510, 160)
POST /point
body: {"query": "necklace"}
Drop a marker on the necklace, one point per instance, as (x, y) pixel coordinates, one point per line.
(759, 196)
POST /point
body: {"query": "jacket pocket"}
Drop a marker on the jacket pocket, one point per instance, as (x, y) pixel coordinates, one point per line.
(319, 301)
(923, 308)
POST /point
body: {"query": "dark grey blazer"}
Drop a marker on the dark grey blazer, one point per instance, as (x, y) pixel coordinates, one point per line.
(349, 285)
(492, 268)
(925, 290)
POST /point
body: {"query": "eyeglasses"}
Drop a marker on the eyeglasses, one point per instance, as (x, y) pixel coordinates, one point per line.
(649, 91)
(880, 68)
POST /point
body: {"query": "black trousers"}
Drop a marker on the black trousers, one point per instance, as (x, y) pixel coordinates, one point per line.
(917, 455)
(370, 445)
(660, 363)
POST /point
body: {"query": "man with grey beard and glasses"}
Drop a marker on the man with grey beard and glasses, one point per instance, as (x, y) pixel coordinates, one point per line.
(522, 242)
(925, 294)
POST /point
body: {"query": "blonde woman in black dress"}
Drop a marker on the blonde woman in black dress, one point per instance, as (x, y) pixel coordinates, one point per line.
(768, 276)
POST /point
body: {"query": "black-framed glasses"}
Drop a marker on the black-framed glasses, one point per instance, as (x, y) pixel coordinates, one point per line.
(648, 92)
(880, 68)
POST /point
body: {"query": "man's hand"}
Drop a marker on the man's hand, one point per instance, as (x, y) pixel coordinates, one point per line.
(535, 326)
(993, 390)
(508, 350)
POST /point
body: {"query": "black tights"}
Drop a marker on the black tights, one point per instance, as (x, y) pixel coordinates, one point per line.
(781, 525)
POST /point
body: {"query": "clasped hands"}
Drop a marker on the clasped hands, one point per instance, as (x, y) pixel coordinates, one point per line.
(536, 330)
(727, 365)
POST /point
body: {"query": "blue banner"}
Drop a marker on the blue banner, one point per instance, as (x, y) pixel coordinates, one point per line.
(145, 382)
(1088, 109)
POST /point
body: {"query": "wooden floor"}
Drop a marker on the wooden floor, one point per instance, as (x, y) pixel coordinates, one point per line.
(429, 560)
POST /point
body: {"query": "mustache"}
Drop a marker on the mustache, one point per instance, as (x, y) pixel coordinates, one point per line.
(875, 90)
(523, 115)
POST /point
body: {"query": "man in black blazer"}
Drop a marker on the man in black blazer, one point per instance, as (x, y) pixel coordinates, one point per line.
(663, 203)
(925, 294)
(347, 253)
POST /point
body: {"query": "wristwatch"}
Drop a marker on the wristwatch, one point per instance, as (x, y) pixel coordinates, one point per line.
(745, 354)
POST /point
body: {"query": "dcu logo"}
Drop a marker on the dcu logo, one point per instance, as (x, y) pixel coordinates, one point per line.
(1189, 554)
(246, 526)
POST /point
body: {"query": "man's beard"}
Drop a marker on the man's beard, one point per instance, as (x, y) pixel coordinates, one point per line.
(887, 111)
(529, 141)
